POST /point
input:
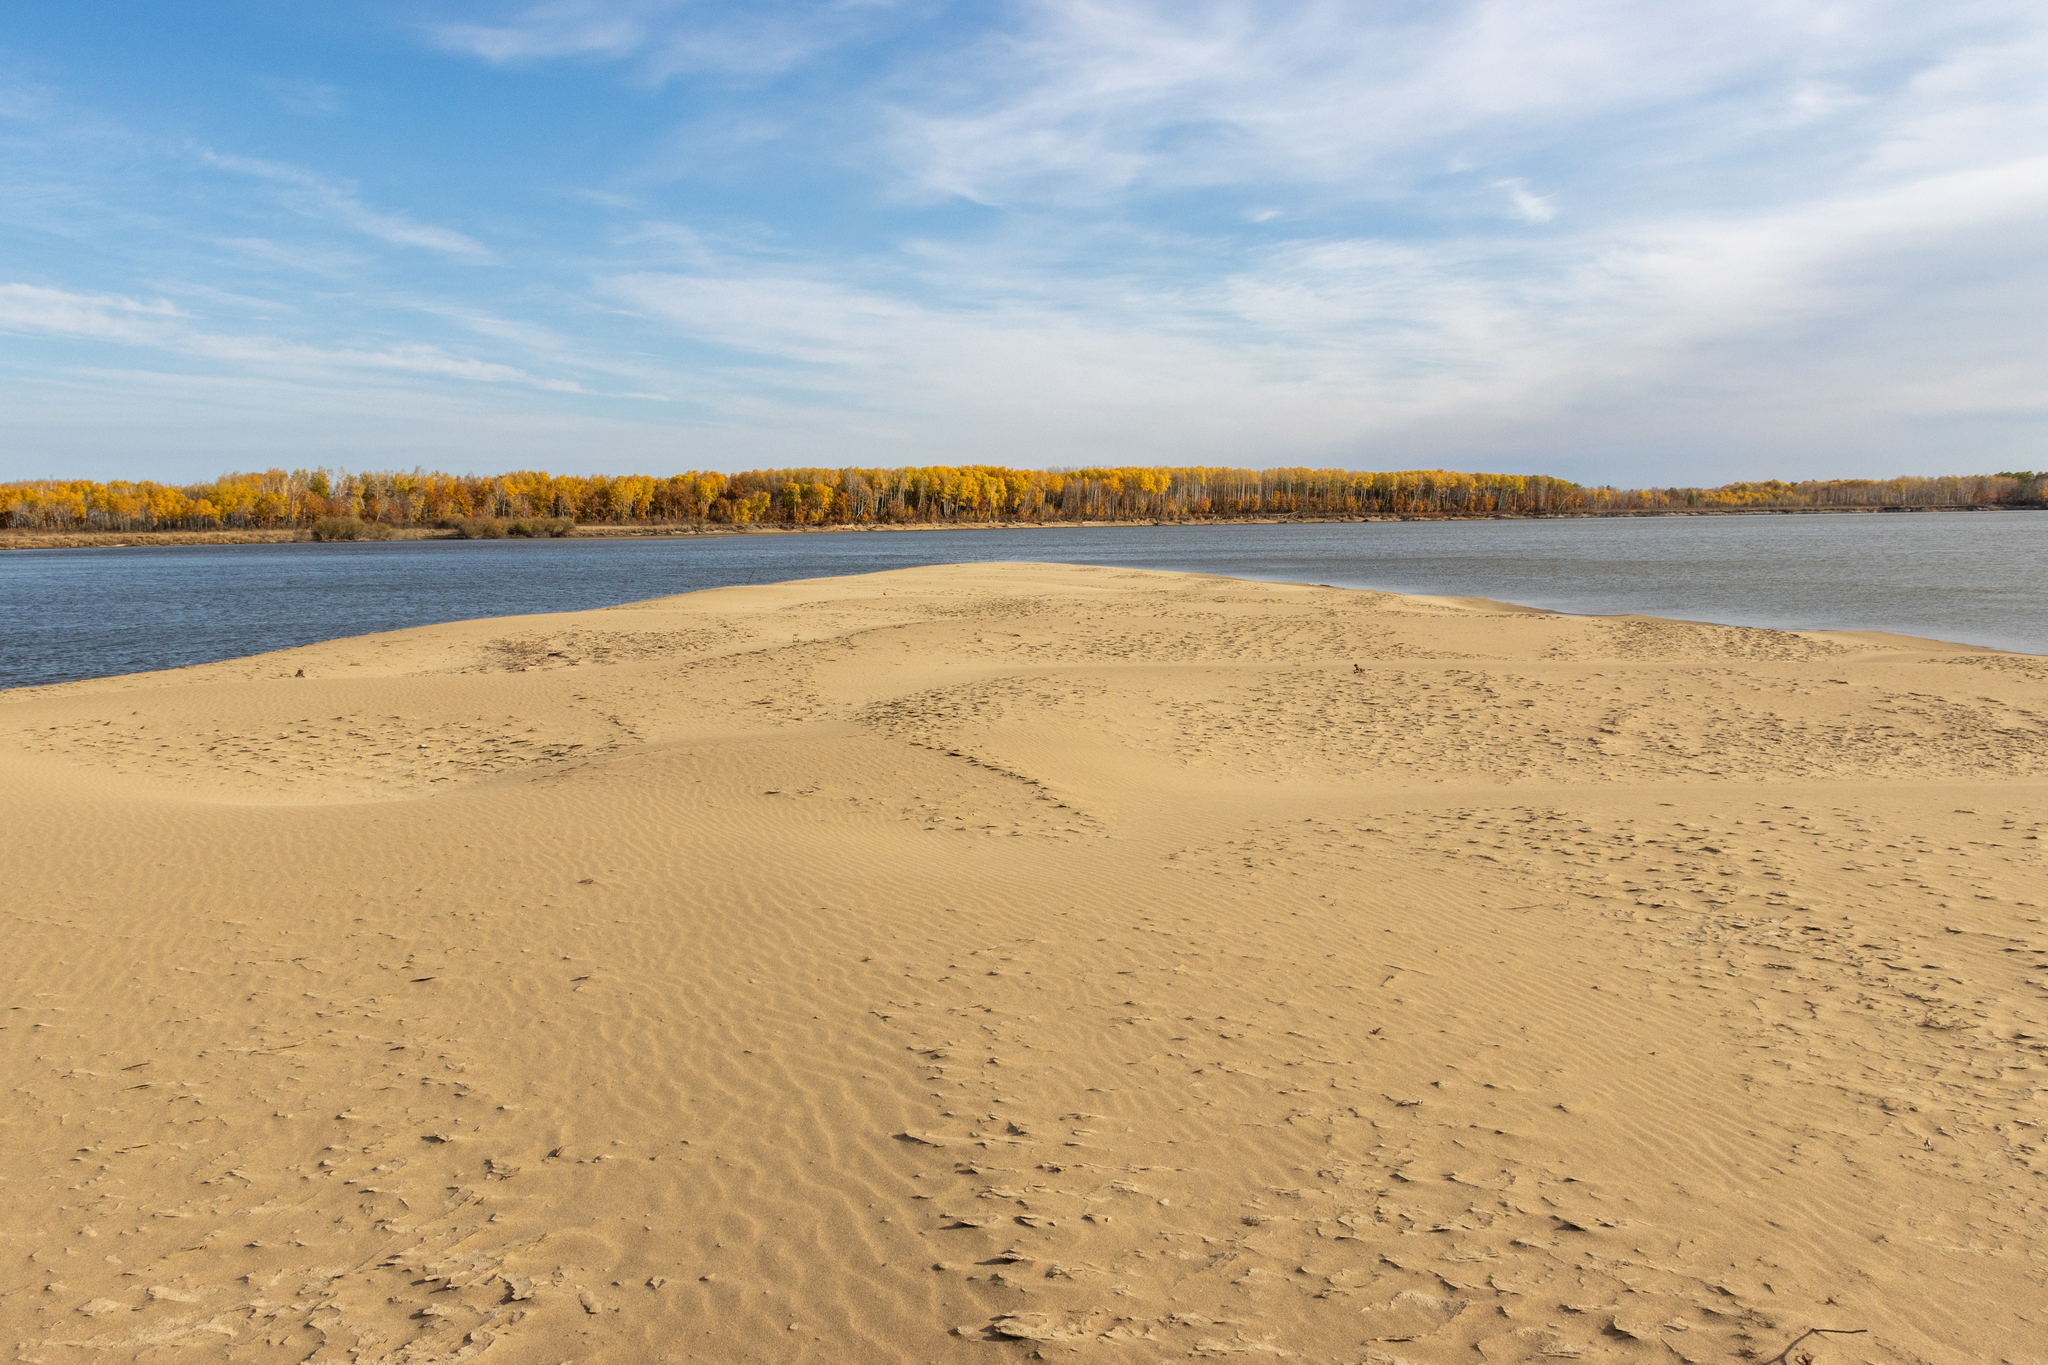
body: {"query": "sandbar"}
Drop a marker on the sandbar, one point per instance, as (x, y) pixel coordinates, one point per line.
(1023, 961)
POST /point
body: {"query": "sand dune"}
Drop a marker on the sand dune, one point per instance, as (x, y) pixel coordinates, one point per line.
(1003, 962)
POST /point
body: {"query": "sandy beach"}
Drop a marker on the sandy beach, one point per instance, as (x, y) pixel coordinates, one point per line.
(1009, 962)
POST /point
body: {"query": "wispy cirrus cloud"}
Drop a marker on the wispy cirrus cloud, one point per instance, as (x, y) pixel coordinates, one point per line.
(660, 38)
(1526, 203)
(317, 196)
(544, 32)
(313, 260)
(161, 325)
(302, 96)
(1343, 345)
(1087, 99)
(112, 317)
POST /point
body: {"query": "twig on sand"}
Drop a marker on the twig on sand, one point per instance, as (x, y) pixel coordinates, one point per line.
(1783, 1355)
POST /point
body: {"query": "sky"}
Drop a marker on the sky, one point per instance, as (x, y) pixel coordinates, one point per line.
(1680, 242)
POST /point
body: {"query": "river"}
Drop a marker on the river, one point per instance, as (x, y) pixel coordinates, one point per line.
(1969, 577)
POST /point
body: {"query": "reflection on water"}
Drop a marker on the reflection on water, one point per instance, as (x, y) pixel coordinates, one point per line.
(1971, 577)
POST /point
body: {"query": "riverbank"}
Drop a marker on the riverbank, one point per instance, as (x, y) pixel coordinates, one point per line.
(887, 968)
(16, 539)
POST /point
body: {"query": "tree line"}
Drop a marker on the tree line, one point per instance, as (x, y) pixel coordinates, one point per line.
(927, 494)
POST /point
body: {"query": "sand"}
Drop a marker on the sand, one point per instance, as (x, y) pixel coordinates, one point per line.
(1011, 961)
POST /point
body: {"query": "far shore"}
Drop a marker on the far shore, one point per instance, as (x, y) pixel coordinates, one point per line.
(14, 539)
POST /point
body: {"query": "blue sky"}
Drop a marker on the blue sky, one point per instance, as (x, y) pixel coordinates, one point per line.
(1679, 242)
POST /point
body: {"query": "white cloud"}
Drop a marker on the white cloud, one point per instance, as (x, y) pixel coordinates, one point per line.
(606, 198)
(319, 197)
(408, 358)
(110, 317)
(1526, 203)
(293, 256)
(1091, 98)
(156, 323)
(400, 230)
(156, 424)
(548, 31)
(1686, 330)
(20, 101)
(302, 96)
(199, 292)
(662, 38)
(812, 322)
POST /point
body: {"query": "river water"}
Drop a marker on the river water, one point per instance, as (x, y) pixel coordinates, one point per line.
(1970, 577)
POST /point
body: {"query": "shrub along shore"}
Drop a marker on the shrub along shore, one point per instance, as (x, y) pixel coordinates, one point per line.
(283, 504)
(485, 528)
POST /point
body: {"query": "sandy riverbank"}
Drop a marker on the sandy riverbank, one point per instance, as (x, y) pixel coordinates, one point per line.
(981, 963)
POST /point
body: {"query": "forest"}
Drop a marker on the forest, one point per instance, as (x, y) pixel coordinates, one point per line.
(931, 494)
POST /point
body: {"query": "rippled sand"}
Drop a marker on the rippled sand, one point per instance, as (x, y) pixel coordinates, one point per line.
(1003, 962)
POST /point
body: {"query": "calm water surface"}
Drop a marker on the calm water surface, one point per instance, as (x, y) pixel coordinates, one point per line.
(1973, 577)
